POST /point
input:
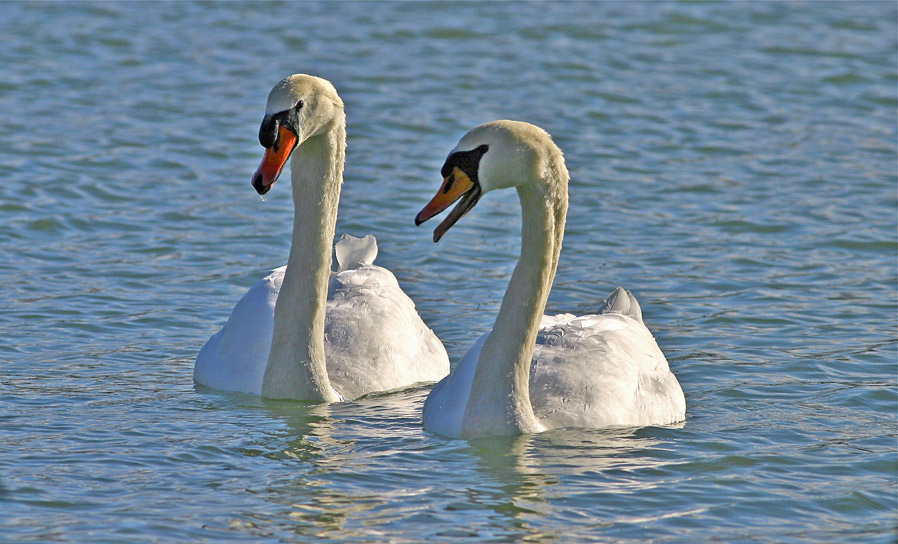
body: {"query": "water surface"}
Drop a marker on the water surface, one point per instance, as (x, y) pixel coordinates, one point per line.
(732, 164)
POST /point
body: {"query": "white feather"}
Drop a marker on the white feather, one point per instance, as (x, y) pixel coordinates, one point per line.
(581, 371)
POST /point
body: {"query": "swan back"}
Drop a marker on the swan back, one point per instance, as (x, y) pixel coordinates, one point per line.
(376, 341)
(601, 370)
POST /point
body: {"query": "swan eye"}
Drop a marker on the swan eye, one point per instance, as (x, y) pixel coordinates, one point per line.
(299, 105)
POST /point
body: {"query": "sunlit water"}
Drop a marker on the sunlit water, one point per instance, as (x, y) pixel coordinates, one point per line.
(732, 164)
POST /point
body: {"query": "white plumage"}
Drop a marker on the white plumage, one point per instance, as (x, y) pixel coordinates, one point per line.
(374, 339)
(534, 372)
(305, 331)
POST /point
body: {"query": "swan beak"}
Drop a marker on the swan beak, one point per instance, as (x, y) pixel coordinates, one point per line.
(274, 160)
(457, 185)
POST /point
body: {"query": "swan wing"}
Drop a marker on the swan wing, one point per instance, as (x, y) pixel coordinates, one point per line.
(234, 358)
(587, 371)
(601, 370)
(374, 338)
(444, 408)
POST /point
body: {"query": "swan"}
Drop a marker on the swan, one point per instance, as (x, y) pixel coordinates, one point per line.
(306, 332)
(533, 372)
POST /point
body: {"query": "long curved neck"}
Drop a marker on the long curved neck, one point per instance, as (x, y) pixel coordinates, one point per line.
(499, 402)
(296, 364)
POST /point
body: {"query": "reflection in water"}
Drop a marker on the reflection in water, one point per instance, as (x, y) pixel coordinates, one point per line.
(511, 486)
(339, 464)
(308, 429)
(529, 468)
(338, 471)
(343, 469)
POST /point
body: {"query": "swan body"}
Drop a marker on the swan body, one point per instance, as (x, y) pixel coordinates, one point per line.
(533, 372)
(360, 295)
(569, 348)
(304, 331)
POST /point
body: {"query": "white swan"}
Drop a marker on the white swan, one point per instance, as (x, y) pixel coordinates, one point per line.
(304, 332)
(535, 372)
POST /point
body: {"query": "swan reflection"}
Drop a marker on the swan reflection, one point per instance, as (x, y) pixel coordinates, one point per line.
(343, 469)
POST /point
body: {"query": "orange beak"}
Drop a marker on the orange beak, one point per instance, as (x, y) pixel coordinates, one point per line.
(456, 185)
(274, 160)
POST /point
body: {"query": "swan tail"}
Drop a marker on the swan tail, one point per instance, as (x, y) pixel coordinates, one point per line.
(352, 252)
(622, 302)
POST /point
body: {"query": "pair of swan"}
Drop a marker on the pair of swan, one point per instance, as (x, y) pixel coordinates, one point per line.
(308, 333)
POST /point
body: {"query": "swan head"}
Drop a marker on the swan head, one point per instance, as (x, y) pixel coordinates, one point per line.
(299, 107)
(496, 155)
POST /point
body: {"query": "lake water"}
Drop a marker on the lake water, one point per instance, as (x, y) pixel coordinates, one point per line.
(732, 164)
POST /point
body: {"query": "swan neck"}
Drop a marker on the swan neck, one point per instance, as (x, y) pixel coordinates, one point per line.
(296, 365)
(499, 403)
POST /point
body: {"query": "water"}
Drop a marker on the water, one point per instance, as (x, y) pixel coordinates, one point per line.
(733, 164)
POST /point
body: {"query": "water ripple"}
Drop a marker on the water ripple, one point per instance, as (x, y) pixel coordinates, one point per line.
(733, 164)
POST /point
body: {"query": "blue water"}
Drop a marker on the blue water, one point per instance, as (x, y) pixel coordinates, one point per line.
(733, 164)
